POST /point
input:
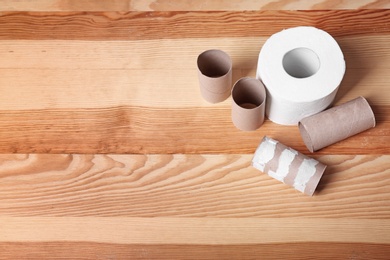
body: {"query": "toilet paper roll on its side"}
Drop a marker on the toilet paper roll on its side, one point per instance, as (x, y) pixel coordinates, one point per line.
(301, 69)
(288, 166)
(336, 124)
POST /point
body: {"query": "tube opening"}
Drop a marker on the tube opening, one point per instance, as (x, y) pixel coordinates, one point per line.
(305, 137)
(301, 63)
(248, 93)
(214, 63)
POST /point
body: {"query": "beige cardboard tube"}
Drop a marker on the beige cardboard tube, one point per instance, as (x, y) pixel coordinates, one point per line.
(248, 104)
(288, 166)
(215, 75)
(336, 124)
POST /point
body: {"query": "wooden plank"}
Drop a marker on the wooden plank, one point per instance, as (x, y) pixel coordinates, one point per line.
(196, 231)
(171, 25)
(31, 89)
(183, 5)
(160, 130)
(89, 250)
(361, 52)
(199, 186)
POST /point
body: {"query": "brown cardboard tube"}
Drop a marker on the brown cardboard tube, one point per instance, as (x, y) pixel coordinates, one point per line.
(248, 104)
(214, 97)
(215, 75)
(288, 165)
(336, 124)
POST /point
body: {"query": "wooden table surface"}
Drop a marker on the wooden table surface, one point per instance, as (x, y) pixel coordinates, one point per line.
(108, 151)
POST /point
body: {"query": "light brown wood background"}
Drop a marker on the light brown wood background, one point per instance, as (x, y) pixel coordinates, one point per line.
(109, 152)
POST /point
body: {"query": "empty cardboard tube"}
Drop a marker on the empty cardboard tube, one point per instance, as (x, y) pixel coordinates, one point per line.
(248, 104)
(336, 124)
(288, 166)
(215, 75)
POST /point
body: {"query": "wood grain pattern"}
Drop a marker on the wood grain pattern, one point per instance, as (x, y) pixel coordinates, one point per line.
(187, 186)
(147, 130)
(182, 5)
(107, 150)
(360, 52)
(118, 110)
(85, 250)
(171, 25)
(194, 231)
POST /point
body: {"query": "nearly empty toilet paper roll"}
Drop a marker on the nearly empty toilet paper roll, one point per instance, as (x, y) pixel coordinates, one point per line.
(301, 69)
(288, 166)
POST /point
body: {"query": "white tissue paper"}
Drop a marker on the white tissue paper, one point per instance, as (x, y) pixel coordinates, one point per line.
(301, 68)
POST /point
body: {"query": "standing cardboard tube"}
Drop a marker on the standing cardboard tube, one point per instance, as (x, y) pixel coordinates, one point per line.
(288, 166)
(215, 75)
(248, 104)
(336, 124)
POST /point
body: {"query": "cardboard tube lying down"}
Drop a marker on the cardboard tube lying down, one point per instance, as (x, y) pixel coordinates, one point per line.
(215, 75)
(336, 124)
(288, 166)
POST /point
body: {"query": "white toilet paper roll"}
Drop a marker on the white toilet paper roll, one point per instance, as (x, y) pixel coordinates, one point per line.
(301, 69)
